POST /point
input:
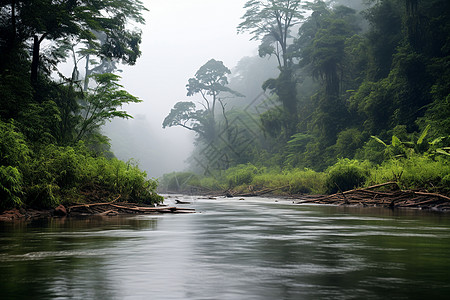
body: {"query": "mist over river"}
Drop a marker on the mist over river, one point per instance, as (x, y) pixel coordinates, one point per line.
(257, 248)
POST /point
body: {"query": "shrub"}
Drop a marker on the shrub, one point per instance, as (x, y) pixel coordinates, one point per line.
(445, 183)
(10, 187)
(240, 175)
(132, 183)
(14, 150)
(295, 181)
(211, 183)
(58, 171)
(348, 141)
(307, 181)
(44, 195)
(346, 174)
(372, 151)
(416, 172)
(179, 181)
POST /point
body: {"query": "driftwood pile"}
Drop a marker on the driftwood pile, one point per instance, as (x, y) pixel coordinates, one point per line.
(115, 208)
(391, 199)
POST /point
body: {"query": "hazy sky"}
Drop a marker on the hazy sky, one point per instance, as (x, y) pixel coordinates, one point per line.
(178, 38)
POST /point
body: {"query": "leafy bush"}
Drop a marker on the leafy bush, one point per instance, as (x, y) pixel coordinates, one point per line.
(14, 150)
(43, 195)
(211, 183)
(14, 156)
(58, 171)
(445, 183)
(131, 182)
(416, 172)
(179, 181)
(372, 151)
(58, 165)
(307, 182)
(346, 174)
(10, 187)
(296, 181)
(240, 175)
(348, 141)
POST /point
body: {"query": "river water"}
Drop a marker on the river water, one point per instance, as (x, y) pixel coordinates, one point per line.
(231, 249)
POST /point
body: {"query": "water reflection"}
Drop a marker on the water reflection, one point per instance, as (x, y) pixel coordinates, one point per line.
(252, 249)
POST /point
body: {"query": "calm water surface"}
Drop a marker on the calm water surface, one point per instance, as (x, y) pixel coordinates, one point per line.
(231, 249)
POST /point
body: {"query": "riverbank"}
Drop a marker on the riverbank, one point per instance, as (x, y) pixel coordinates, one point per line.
(393, 200)
(386, 195)
(418, 173)
(91, 209)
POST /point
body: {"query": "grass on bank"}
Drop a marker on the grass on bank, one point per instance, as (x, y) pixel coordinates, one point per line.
(418, 172)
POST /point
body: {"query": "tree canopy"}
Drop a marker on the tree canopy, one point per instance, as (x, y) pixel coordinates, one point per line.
(210, 82)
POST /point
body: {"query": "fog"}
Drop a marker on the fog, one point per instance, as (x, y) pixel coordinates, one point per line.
(178, 38)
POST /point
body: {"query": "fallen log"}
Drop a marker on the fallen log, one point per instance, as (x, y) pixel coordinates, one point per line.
(381, 185)
(181, 202)
(93, 204)
(394, 199)
(110, 208)
(433, 195)
(257, 193)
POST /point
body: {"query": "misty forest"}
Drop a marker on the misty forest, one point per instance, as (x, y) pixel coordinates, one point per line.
(314, 137)
(342, 94)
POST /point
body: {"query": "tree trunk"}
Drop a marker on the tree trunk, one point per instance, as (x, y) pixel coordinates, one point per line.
(35, 61)
(13, 23)
(87, 73)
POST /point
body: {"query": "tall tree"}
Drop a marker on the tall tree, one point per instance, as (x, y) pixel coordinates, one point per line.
(271, 22)
(56, 21)
(322, 49)
(102, 104)
(210, 82)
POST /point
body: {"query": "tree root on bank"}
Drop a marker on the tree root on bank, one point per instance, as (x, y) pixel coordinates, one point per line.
(394, 199)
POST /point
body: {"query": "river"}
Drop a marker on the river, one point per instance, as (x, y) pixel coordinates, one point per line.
(257, 248)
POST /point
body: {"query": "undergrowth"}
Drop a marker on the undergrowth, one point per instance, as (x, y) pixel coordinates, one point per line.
(416, 172)
(50, 174)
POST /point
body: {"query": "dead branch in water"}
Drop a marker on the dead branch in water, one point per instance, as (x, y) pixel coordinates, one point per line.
(256, 193)
(111, 208)
(92, 204)
(393, 199)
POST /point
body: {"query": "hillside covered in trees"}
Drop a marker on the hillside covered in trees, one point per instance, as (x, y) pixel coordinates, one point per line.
(361, 97)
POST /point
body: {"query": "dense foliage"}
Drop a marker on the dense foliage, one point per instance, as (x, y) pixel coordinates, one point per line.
(51, 149)
(362, 96)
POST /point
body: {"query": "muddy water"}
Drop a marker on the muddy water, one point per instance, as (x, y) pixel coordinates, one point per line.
(231, 249)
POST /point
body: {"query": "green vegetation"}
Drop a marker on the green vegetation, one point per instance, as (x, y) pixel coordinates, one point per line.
(414, 173)
(51, 148)
(362, 96)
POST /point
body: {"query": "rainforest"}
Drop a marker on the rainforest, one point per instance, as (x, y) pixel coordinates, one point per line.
(358, 94)
(361, 97)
